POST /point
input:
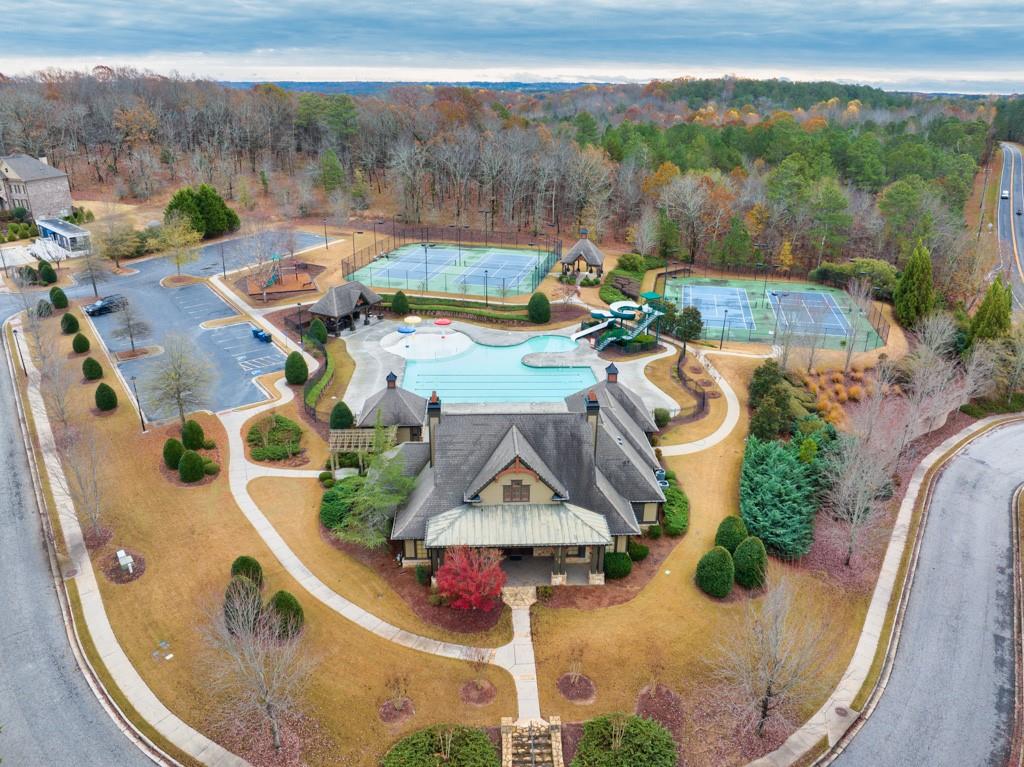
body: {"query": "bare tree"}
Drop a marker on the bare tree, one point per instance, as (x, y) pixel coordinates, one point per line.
(131, 324)
(85, 455)
(181, 379)
(645, 236)
(1010, 370)
(258, 671)
(56, 382)
(774, 661)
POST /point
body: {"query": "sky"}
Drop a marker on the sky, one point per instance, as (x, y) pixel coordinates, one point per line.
(931, 45)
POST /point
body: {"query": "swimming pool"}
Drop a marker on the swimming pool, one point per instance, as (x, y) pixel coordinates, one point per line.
(497, 374)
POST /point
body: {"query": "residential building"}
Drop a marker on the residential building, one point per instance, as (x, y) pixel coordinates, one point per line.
(35, 185)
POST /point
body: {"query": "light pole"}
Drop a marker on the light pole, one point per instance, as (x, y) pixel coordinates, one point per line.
(327, 244)
(486, 213)
(375, 224)
(764, 287)
(20, 356)
(725, 323)
(354, 247)
(485, 287)
(223, 266)
(4, 260)
(135, 390)
(426, 269)
(302, 343)
(778, 312)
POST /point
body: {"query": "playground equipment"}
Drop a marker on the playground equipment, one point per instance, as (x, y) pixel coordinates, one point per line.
(623, 310)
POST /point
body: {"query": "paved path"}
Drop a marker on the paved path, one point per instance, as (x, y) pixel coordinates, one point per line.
(1010, 226)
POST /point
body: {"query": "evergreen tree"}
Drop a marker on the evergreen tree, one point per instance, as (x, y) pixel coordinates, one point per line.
(668, 237)
(736, 248)
(994, 316)
(915, 294)
(332, 175)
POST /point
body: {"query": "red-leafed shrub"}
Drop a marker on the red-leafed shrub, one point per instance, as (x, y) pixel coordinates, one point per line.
(471, 579)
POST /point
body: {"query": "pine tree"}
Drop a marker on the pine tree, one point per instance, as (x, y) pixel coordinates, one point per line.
(332, 175)
(994, 316)
(915, 294)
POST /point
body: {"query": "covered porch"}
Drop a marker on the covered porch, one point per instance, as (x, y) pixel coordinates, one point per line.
(539, 571)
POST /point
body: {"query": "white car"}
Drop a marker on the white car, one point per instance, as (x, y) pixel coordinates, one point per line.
(1006, 194)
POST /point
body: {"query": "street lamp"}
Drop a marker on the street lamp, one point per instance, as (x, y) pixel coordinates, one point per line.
(485, 287)
(375, 225)
(778, 313)
(223, 266)
(486, 213)
(426, 270)
(327, 244)
(764, 288)
(138, 404)
(302, 343)
(725, 323)
(20, 356)
(354, 246)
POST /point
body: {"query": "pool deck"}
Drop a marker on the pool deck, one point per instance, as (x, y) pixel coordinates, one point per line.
(374, 362)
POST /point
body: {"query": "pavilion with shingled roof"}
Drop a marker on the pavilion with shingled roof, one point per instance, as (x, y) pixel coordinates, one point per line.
(584, 251)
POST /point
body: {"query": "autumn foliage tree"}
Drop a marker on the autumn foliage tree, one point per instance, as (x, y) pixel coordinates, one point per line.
(471, 579)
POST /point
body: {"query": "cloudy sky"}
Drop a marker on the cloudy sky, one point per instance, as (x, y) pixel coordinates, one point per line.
(925, 44)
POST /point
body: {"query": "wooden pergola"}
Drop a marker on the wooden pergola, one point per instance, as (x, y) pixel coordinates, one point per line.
(355, 441)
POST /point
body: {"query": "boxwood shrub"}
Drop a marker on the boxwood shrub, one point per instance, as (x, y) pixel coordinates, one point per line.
(79, 344)
(211, 468)
(617, 565)
(637, 551)
(645, 743)
(469, 748)
(731, 533)
(751, 562)
(249, 567)
(296, 371)
(654, 532)
(106, 398)
(715, 572)
(539, 308)
(68, 324)
(661, 415)
(192, 436)
(58, 298)
(91, 369)
(191, 467)
(173, 450)
(290, 617)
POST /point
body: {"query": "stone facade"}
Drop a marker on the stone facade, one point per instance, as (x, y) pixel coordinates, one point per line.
(45, 196)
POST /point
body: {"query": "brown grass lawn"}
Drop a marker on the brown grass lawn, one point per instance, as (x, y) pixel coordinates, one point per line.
(189, 536)
(344, 367)
(663, 373)
(292, 506)
(671, 622)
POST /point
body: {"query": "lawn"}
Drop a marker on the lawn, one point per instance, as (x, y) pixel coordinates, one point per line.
(189, 536)
(344, 367)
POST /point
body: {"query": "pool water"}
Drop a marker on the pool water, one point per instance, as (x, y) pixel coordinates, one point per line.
(497, 374)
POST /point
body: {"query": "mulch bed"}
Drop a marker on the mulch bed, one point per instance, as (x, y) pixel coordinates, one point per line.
(97, 539)
(178, 281)
(616, 352)
(664, 706)
(572, 733)
(615, 592)
(172, 476)
(302, 741)
(478, 693)
(583, 690)
(142, 351)
(112, 568)
(389, 713)
(403, 581)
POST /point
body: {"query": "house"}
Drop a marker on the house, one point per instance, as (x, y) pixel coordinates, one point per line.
(25, 182)
(342, 305)
(583, 256)
(562, 486)
(396, 407)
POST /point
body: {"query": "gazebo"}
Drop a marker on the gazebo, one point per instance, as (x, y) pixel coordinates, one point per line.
(341, 306)
(586, 251)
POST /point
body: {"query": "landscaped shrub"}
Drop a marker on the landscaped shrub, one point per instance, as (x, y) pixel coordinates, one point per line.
(68, 324)
(79, 344)
(209, 444)
(731, 533)
(637, 551)
(46, 274)
(341, 416)
(296, 371)
(539, 308)
(173, 450)
(469, 748)
(620, 740)
(617, 565)
(211, 468)
(91, 369)
(423, 575)
(751, 562)
(58, 298)
(400, 303)
(274, 438)
(106, 398)
(318, 330)
(290, 617)
(44, 308)
(191, 467)
(716, 572)
(610, 294)
(248, 567)
(336, 502)
(767, 375)
(661, 417)
(192, 436)
(654, 532)
(323, 476)
(677, 511)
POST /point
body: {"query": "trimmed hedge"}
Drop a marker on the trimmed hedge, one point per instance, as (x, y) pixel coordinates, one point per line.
(341, 416)
(191, 467)
(91, 369)
(318, 330)
(645, 743)
(173, 450)
(677, 510)
(58, 298)
(751, 563)
(290, 617)
(192, 436)
(106, 398)
(716, 572)
(296, 371)
(539, 309)
(731, 533)
(68, 324)
(470, 747)
(79, 344)
(617, 565)
(336, 502)
(637, 551)
(249, 567)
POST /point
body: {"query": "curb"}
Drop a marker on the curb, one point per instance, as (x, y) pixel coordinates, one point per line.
(1017, 741)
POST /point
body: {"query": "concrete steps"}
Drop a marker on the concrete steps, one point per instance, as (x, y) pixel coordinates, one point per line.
(537, 744)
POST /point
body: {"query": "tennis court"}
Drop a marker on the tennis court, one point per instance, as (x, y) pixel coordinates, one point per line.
(765, 311)
(449, 268)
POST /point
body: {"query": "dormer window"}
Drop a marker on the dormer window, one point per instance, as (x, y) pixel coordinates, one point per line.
(516, 492)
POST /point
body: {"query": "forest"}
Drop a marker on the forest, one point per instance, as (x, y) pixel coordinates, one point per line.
(731, 171)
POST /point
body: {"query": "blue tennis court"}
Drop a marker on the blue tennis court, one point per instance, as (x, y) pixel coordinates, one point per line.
(716, 304)
(495, 266)
(804, 310)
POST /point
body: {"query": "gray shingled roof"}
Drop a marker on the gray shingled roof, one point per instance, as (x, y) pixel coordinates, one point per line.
(465, 443)
(514, 445)
(587, 249)
(398, 407)
(341, 300)
(30, 169)
(624, 406)
(517, 524)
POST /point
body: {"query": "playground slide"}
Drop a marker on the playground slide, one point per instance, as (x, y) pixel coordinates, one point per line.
(592, 329)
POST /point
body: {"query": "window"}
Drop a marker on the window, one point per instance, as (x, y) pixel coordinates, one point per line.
(516, 492)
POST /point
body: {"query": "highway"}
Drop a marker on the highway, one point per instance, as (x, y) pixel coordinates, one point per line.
(1010, 226)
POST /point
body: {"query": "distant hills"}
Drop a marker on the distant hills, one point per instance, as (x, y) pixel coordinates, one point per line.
(371, 88)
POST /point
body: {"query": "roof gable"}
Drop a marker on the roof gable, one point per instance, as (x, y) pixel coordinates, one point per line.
(587, 249)
(342, 300)
(397, 407)
(26, 168)
(513, 446)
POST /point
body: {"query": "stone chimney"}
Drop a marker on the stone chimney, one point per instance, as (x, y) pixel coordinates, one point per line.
(612, 372)
(392, 380)
(593, 417)
(433, 421)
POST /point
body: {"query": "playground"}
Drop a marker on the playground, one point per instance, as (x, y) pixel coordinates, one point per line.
(282, 277)
(766, 311)
(452, 268)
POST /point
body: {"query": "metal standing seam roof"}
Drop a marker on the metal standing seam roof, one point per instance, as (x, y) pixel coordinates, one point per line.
(517, 524)
(61, 226)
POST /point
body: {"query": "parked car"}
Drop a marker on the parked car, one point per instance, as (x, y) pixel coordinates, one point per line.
(1006, 194)
(106, 305)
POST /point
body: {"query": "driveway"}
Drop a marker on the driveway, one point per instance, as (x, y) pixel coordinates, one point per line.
(950, 699)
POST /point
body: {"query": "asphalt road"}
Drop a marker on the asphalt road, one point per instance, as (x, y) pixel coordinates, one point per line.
(1011, 226)
(949, 701)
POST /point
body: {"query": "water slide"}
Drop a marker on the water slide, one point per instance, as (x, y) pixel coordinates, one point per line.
(606, 319)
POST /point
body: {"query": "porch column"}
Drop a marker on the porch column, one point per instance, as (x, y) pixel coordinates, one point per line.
(596, 575)
(558, 577)
(436, 559)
